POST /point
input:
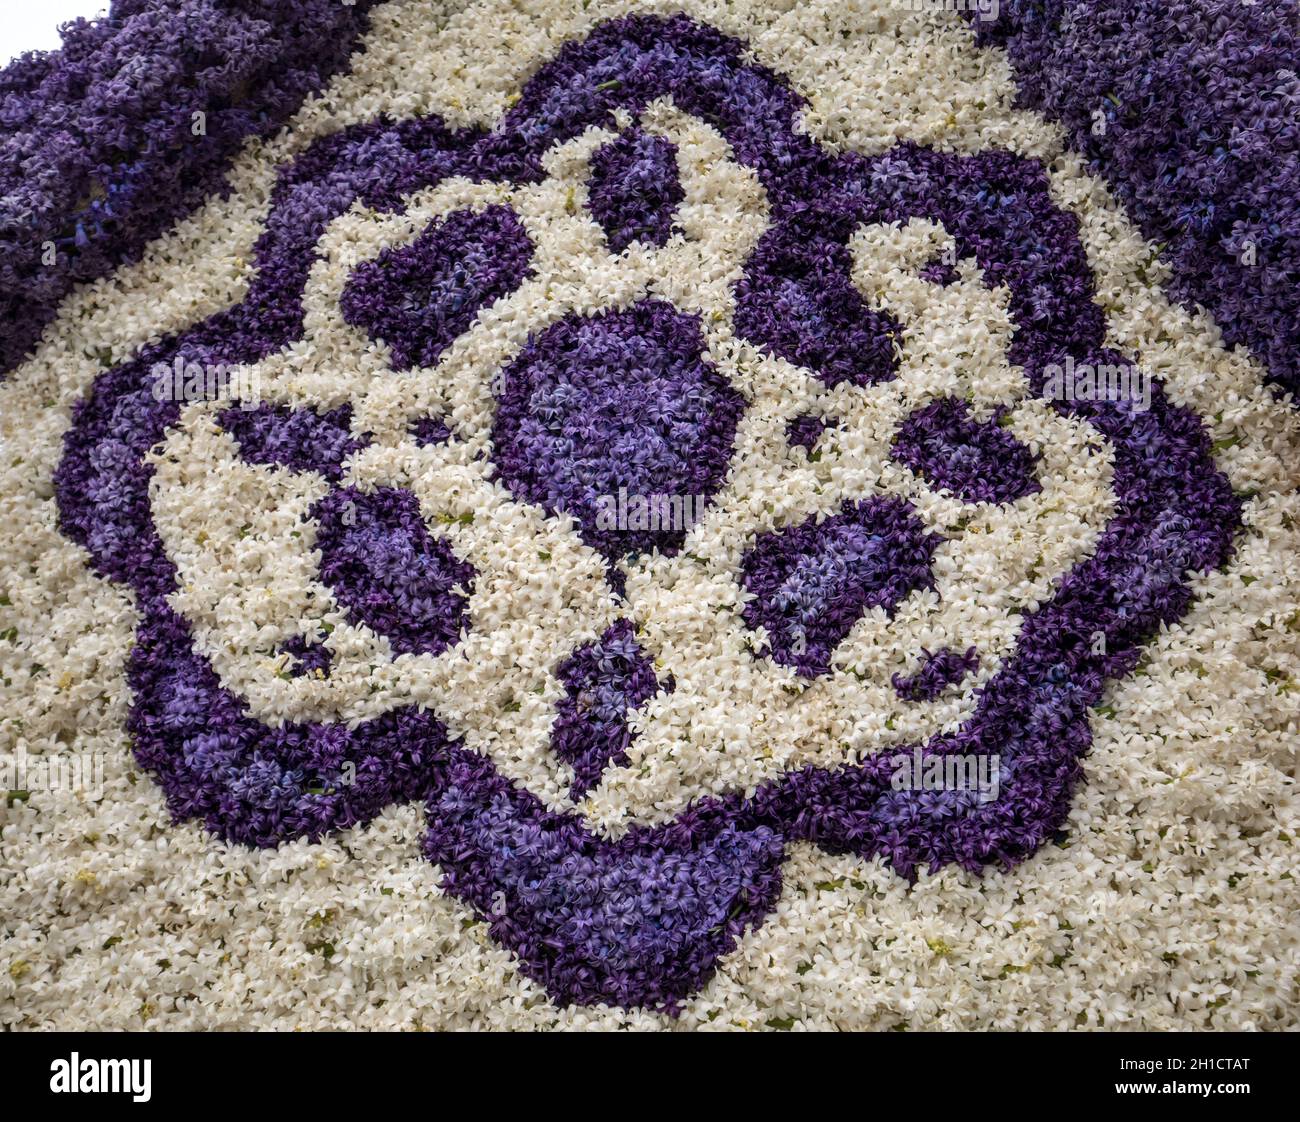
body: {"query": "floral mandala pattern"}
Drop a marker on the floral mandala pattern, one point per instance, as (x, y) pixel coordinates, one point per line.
(399, 527)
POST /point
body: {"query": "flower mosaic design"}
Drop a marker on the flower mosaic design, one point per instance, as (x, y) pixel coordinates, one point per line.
(404, 531)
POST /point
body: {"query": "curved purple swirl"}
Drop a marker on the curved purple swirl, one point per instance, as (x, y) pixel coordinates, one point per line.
(634, 189)
(418, 299)
(814, 581)
(979, 461)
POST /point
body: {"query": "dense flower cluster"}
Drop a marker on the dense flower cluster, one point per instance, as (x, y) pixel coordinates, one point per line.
(811, 583)
(637, 922)
(798, 302)
(388, 571)
(634, 189)
(419, 298)
(1189, 109)
(603, 682)
(100, 145)
(619, 402)
(298, 439)
(307, 657)
(258, 784)
(805, 430)
(978, 460)
(938, 671)
(429, 430)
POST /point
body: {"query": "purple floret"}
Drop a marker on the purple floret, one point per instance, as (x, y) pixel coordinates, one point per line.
(937, 672)
(978, 461)
(634, 189)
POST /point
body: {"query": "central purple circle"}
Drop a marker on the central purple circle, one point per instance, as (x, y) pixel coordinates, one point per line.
(618, 420)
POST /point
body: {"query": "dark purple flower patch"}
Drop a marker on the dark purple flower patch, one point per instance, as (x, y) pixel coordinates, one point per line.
(978, 461)
(428, 431)
(797, 301)
(938, 671)
(805, 430)
(604, 682)
(621, 403)
(641, 921)
(814, 581)
(627, 63)
(634, 189)
(940, 273)
(307, 658)
(420, 297)
(389, 572)
(254, 784)
(297, 439)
